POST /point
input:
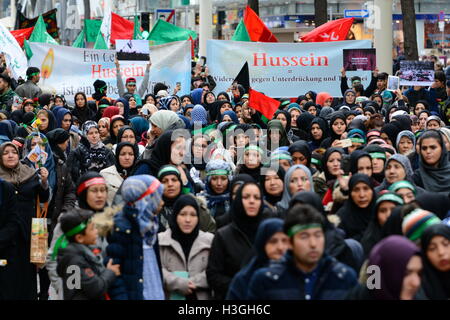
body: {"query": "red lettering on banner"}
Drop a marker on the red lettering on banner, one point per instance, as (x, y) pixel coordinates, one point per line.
(98, 71)
(294, 62)
(277, 64)
(262, 60)
(302, 59)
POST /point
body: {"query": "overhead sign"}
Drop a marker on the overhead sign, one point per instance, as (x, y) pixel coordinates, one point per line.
(356, 13)
(167, 15)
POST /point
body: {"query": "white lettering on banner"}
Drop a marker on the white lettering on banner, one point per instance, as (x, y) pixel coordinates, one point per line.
(76, 69)
(283, 69)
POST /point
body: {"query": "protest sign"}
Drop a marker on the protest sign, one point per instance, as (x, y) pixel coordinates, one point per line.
(393, 83)
(282, 69)
(416, 73)
(359, 59)
(15, 58)
(75, 69)
(133, 50)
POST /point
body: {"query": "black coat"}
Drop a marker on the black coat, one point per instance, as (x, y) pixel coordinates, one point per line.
(230, 251)
(9, 234)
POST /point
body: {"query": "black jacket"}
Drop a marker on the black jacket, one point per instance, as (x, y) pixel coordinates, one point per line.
(93, 283)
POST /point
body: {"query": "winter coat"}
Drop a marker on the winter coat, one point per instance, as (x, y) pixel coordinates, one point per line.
(94, 283)
(29, 90)
(113, 181)
(173, 259)
(284, 281)
(7, 100)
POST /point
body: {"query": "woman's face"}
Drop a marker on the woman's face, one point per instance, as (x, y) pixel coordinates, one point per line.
(299, 158)
(221, 97)
(151, 100)
(378, 165)
(128, 136)
(391, 112)
(252, 159)
(187, 219)
(155, 130)
(275, 134)
(339, 126)
(277, 246)
(227, 118)
(365, 166)
(199, 147)
(283, 119)
(96, 196)
(103, 129)
(312, 110)
(411, 280)
(117, 125)
(349, 119)
(328, 102)
(353, 147)
(405, 145)
(172, 186)
(44, 122)
(350, 98)
(59, 102)
(385, 137)
(273, 184)
(238, 111)
(126, 157)
(368, 114)
(225, 107)
(66, 121)
(422, 121)
(438, 252)
(316, 132)
(419, 107)
(285, 164)
(177, 151)
(80, 101)
(406, 194)
(219, 184)
(362, 195)
(433, 124)
(93, 135)
(28, 108)
(210, 98)
(431, 151)
(294, 115)
(10, 157)
(384, 211)
(334, 163)
(121, 108)
(174, 105)
(394, 172)
(299, 181)
(241, 140)
(251, 200)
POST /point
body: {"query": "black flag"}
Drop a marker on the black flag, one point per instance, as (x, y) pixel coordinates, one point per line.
(243, 78)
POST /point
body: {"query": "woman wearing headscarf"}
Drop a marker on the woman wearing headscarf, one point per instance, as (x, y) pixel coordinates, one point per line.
(125, 158)
(389, 133)
(30, 187)
(270, 245)
(116, 123)
(338, 126)
(6, 131)
(64, 120)
(325, 181)
(136, 234)
(82, 110)
(349, 99)
(199, 116)
(237, 182)
(217, 109)
(253, 159)
(406, 143)
(141, 126)
(47, 121)
(276, 133)
(399, 264)
(184, 251)
(232, 244)
(318, 132)
(357, 210)
(297, 179)
(103, 128)
(110, 112)
(436, 258)
(303, 124)
(128, 134)
(91, 154)
(324, 99)
(434, 167)
(272, 183)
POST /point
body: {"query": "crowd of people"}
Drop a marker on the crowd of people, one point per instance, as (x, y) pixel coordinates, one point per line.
(155, 196)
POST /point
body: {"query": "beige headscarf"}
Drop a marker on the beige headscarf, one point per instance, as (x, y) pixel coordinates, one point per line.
(167, 120)
(21, 173)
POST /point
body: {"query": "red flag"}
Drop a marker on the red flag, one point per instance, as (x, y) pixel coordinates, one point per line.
(256, 28)
(192, 47)
(264, 104)
(335, 30)
(22, 34)
(121, 28)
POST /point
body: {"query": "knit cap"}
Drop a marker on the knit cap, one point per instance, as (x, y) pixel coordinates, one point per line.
(218, 167)
(415, 223)
(89, 125)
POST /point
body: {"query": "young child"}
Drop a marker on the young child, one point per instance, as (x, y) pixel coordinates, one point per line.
(83, 273)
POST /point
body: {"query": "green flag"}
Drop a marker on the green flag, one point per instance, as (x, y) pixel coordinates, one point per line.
(137, 34)
(91, 28)
(39, 34)
(164, 32)
(241, 34)
(100, 42)
(79, 41)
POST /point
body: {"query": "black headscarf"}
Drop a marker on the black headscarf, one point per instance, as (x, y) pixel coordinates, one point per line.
(391, 131)
(334, 117)
(268, 197)
(302, 147)
(325, 157)
(55, 137)
(122, 171)
(51, 122)
(185, 240)
(82, 197)
(403, 122)
(121, 132)
(354, 158)
(161, 153)
(438, 203)
(303, 122)
(435, 283)
(248, 225)
(288, 118)
(354, 220)
(323, 125)
(241, 179)
(112, 137)
(214, 109)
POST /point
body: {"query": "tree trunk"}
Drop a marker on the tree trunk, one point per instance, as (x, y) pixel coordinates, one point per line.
(254, 5)
(87, 9)
(409, 30)
(320, 12)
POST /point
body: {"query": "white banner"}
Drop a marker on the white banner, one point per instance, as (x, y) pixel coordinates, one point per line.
(283, 69)
(15, 57)
(67, 70)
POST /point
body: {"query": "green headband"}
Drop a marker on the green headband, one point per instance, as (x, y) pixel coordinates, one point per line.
(358, 140)
(378, 155)
(281, 156)
(104, 106)
(316, 161)
(102, 88)
(300, 227)
(219, 172)
(416, 233)
(256, 148)
(33, 74)
(131, 83)
(390, 197)
(402, 184)
(168, 169)
(63, 240)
